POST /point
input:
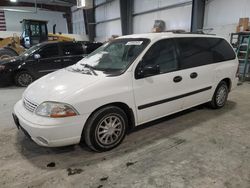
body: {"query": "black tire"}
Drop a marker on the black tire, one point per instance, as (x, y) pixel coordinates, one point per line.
(217, 101)
(23, 78)
(7, 53)
(96, 123)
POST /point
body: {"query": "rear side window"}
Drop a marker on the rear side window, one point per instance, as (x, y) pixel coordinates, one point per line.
(72, 49)
(200, 51)
(49, 51)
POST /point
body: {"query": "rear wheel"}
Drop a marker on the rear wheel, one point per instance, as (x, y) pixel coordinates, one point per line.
(220, 96)
(23, 78)
(7, 53)
(105, 129)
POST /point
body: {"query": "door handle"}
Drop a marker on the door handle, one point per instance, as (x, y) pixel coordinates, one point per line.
(57, 61)
(65, 60)
(177, 79)
(193, 75)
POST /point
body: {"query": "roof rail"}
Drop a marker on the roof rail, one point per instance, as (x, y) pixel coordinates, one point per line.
(185, 32)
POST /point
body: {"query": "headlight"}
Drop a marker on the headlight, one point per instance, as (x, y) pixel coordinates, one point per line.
(2, 67)
(55, 110)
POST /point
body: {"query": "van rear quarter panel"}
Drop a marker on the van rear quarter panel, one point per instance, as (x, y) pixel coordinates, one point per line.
(226, 69)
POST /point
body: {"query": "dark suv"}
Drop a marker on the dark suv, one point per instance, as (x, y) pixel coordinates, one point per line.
(42, 59)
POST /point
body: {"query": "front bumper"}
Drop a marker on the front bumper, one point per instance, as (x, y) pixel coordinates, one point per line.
(49, 132)
(5, 78)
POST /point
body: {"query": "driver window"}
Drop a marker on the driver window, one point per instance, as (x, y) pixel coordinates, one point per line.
(162, 53)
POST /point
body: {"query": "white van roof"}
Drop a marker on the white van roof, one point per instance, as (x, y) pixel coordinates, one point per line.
(155, 36)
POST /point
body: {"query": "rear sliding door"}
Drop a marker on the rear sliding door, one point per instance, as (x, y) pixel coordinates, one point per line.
(200, 58)
(196, 63)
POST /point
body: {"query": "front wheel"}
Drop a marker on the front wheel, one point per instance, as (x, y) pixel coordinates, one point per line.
(105, 129)
(23, 79)
(220, 96)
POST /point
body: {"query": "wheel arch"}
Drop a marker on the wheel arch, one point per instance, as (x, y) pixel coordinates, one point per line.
(228, 82)
(128, 111)
(17, 71)
(20, 70)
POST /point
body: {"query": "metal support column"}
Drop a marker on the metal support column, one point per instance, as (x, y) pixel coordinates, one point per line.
(126, 8)
(89, 18)
(198, 10)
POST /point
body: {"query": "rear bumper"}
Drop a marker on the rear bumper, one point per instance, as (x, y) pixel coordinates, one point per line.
(49, 132)
(234, 83)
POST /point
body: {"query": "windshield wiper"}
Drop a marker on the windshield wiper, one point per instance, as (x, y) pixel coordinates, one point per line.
(90, 68)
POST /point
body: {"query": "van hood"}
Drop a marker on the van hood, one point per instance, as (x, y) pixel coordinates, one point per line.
(59, 85)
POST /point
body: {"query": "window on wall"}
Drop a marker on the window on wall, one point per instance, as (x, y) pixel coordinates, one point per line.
(162, 53)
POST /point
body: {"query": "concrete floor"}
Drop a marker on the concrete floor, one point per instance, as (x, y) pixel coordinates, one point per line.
(198, 148)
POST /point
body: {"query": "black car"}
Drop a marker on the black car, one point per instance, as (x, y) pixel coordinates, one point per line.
(42, 59)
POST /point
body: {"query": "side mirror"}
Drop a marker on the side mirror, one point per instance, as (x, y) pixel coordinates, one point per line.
(146, 71)
(37, 56)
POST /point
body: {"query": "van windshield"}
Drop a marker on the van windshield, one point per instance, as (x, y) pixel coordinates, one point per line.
(113, 57)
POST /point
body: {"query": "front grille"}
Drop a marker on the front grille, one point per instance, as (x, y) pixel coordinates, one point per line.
(29, 105)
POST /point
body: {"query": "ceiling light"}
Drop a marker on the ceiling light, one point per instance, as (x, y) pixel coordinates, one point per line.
(13, 1)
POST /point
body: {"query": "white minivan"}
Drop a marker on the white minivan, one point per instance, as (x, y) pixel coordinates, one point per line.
(126, 82)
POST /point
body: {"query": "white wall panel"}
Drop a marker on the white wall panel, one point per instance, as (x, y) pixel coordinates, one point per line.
(97, 2)
(105, 12)
(105, 30)
(108, 11)
(13, 19)
(144, 5)
(223, 15)
(175, 18)
(78, 22)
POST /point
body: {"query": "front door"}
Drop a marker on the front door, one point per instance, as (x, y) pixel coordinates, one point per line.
(158, 95)
(49, 61)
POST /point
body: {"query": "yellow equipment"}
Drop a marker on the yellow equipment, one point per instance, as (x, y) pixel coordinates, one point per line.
(34, 32)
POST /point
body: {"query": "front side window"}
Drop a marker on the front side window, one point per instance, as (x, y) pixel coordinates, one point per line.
(49, 51)
(162, 54)
(113, 57)
(31, 50)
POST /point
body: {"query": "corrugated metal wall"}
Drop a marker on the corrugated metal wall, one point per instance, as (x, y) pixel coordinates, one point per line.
(174, 18)
(104, 28)
(78, 21)
(223, 15)
(13, 19)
